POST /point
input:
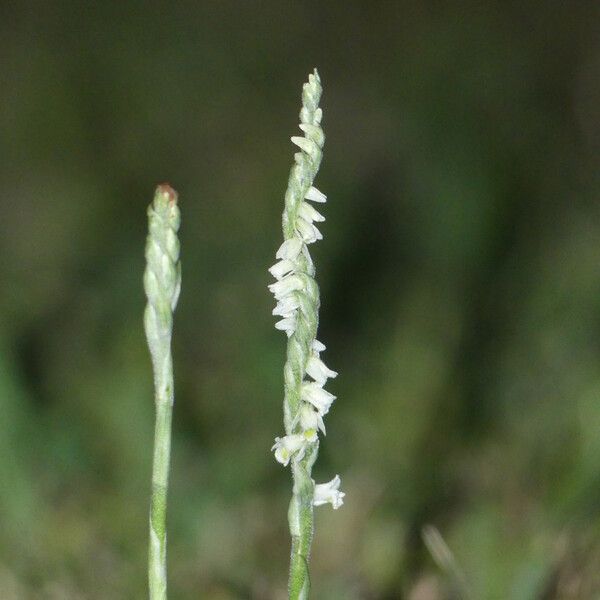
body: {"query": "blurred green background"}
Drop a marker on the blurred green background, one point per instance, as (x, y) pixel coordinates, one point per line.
(460, 279)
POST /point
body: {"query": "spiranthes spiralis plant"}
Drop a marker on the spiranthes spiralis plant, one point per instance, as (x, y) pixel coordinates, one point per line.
(306, 401)
(162, 282)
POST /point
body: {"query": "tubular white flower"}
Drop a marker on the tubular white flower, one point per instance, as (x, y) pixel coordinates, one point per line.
(317, 396)
(314, 131)
(318, 347)
(306, 145)
(289, 445)
(280, 289)
(310, 214)
(282, 268)
(315, 195)
(329, 493)
(310, 419)
(318, 370)
(290, 249)
(308, 232)
(286, 305)
(287, 324)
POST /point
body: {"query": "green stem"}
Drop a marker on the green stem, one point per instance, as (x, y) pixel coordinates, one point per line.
(301, 512)
(301, 520)
(157, 566)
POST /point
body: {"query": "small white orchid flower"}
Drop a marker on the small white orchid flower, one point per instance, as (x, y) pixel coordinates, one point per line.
(310, 419)
(286, 305)
(290, 249)
(282, 268)
(310, 214)
(285, 447)
(314, 394)
(287, 285)
(318, 370)
(287, 324)
(307, 145)
(315, 195)
(314, 130)
(318, 347)
(308, 232)
(329, 493)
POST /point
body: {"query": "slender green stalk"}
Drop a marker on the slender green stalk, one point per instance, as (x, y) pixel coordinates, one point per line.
(305, 401)
(162, 282)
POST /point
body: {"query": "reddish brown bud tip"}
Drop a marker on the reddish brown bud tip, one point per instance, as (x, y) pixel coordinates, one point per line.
(166, 189)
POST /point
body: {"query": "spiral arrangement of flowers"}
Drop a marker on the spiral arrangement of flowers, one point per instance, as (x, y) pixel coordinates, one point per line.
(306, 401)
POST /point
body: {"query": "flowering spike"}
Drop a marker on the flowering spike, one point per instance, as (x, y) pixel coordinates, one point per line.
(297, 295)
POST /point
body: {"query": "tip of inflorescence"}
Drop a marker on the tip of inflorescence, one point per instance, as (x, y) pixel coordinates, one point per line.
(166, 190)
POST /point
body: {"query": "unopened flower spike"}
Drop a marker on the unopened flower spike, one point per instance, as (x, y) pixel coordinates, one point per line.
(306, 401)
(162, 283)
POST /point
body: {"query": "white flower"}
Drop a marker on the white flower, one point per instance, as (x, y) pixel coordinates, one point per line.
(307, 145)
(318, 370)
(288, 445)
(282, 268)
(329, 493)
(310, 214)
(318, 347)
(287, 324)
(286, 286)
(314, 132)
(315, 195)
(308, 232)
(317, 396)
(286, 305)
(290, 249)
(308, 127)
(310, 419)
